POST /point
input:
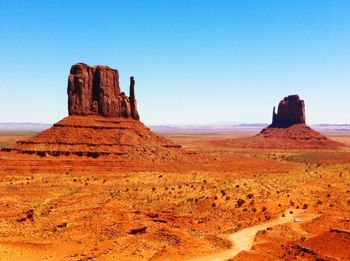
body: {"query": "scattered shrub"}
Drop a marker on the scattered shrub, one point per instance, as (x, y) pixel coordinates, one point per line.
(240, 202)
(249, 196)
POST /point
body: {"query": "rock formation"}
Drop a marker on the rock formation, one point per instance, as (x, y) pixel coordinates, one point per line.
(95, 90)
(288, 131)
(291, 110)
(102, 121)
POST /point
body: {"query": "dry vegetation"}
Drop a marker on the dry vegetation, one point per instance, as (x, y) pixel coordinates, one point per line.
(74, 208)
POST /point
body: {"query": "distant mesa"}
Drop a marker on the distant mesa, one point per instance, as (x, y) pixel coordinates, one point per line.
(102, 121)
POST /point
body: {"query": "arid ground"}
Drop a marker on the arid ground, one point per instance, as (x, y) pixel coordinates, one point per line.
(224, 203)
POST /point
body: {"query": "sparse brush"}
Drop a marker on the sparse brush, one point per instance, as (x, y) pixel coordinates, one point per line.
(240, 202)
(249, 196)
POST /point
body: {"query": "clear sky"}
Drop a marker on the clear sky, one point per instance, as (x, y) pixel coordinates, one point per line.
(194, 61)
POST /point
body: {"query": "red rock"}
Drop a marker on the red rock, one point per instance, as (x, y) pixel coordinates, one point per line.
(288, 131)
(291, 110)
(102, 121)
(133, 104)
(95, 90)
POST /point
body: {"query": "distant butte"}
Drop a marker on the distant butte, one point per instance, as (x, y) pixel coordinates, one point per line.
(288, 130)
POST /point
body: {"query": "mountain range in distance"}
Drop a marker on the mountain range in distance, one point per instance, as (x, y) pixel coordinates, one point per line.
(214, 127)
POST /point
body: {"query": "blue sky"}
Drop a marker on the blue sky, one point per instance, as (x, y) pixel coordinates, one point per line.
(194, 62)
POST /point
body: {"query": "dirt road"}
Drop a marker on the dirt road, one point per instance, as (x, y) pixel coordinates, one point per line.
(243, 240)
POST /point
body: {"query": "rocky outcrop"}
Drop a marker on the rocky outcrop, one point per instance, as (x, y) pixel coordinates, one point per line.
(95, 90)
(291, 110)
(102, 121)
(95, 136)
(288, 131)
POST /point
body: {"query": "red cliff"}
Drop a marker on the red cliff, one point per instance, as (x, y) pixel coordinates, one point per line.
(291, 110)
(95, 90)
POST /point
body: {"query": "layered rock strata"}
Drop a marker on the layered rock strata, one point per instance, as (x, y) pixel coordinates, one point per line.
(95, 90)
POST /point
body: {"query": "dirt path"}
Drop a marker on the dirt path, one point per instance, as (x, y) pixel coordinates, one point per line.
(243, 240)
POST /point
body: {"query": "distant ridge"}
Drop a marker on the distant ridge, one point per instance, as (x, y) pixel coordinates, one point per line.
(182, 127)
(31, 126)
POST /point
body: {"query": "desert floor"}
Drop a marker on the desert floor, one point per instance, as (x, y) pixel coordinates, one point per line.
(229, 204)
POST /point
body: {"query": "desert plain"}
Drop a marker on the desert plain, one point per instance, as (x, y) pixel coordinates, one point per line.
(215, 203)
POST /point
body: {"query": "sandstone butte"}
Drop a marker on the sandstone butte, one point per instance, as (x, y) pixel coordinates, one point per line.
(102, 121)
(288, 130)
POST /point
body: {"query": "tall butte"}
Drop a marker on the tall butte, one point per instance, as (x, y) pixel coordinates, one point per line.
(95, 90)
(102, 121)
(291, 110)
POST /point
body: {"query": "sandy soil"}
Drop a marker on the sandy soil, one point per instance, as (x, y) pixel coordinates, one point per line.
(243, 240)
(77, 208)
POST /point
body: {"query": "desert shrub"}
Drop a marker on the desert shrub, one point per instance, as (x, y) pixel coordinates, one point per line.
(249, 196)
(240, 202)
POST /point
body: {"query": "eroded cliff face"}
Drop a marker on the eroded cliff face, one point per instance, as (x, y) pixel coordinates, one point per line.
(291, 110)
(95, 90)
